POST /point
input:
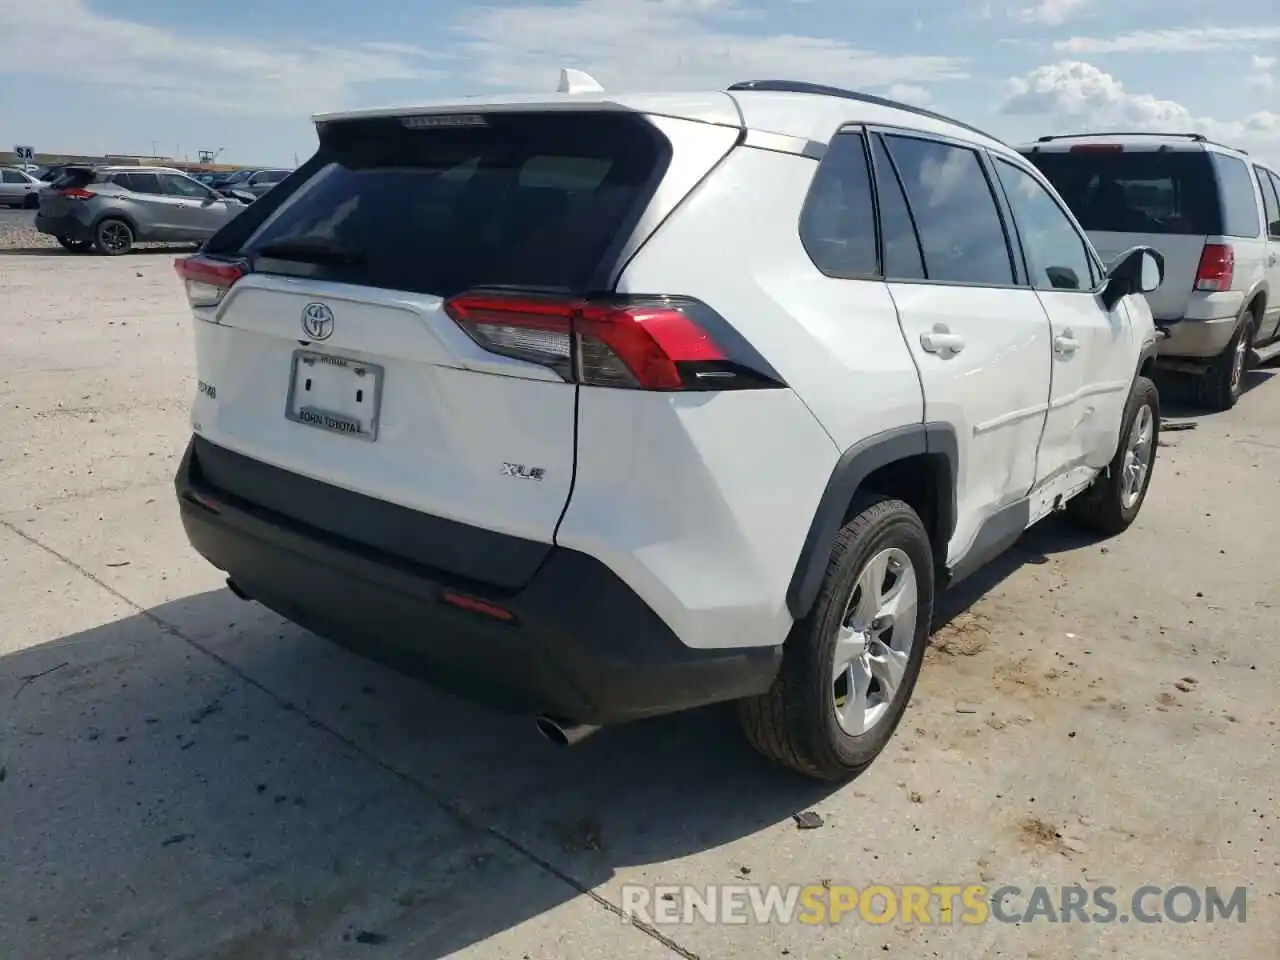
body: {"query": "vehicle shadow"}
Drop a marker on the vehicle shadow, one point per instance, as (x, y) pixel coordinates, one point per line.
(1052, 535)
(1176, 400)
(162, 799)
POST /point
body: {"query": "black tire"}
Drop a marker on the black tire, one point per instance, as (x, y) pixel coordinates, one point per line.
(112, 237)
(32, 202)
(795, 723)
(1103, 507)
(75, 246)
(1219, 387)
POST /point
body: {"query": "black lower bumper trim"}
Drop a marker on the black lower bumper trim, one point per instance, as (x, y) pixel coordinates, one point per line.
(67, 227)
(579, 644)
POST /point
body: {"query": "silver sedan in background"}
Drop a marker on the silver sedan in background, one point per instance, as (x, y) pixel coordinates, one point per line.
(19, 188)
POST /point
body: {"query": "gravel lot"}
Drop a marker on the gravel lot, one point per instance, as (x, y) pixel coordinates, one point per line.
(18, 231)
(183, 775)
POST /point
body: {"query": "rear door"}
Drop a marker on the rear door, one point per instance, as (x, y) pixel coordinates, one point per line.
(13, 186)
(979, 335)
(1141, 194)
(335, 357)
(158, 215)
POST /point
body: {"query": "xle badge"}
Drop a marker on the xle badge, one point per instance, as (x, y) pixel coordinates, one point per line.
(521, 472)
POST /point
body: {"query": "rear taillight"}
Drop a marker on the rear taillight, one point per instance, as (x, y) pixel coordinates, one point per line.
(1217, 263)
(77, 193)
(649, 344)
(207, 281)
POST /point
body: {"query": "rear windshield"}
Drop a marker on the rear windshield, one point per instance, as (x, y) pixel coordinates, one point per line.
(1148, 191)
(532, 200)
(74, 177)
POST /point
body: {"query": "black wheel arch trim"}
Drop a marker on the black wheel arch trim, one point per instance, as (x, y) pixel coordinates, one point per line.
(854, 466)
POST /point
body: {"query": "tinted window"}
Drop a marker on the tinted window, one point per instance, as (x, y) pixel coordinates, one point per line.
(954, 210)
(139, 182)
(1058, 258)
(1147, 191)
(182, 187)
(1239, 203)
(1274, 219)
(439, 210)
(902, 257)
(12, 176)
(74, 177)
(272, 176)
(837, 224)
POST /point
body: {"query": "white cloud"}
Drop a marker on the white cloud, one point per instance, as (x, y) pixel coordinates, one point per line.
(1083, 97)
(66, 38)
(1052, 12)
(1187, 40)
(669, 44)
(909, 93)
(1261, 74)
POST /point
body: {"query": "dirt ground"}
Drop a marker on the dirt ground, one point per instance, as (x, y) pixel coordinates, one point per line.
(183, 775)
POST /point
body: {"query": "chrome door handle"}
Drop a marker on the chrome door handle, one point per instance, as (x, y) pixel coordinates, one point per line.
(941, 340)
(1065, 344)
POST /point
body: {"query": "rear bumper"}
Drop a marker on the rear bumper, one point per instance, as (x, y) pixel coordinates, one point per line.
(580, 645)
(1196, 339)
(68, 227)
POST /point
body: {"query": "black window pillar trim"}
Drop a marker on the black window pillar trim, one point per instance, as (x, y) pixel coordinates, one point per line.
(854, 466)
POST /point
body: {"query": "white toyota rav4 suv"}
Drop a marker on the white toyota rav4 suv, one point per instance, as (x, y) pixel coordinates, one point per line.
(602, 407)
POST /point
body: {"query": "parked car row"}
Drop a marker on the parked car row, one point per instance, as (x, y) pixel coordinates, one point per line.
(111, 208)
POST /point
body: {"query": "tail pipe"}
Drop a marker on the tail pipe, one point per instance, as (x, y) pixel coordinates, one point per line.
(563, 733)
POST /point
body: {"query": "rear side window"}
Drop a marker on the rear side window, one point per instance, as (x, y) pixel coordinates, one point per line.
(1269, 184)
(838, 224)
(902, 257)
(1127, 191)
(12, 176)
(527, 200)
(1239, 206)
(955, 212)
(139, 182)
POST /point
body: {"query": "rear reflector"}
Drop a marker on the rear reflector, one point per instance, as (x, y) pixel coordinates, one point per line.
(1217, 264)
(597, 343)
(1097, 148)
(207, 281)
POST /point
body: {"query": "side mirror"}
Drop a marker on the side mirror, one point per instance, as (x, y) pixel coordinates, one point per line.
(1137, 270)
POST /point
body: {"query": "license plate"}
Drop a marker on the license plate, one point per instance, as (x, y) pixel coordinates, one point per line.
(335, 394)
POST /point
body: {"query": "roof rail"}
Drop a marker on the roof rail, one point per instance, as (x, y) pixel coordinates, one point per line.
(1198, 137)
(818, 89)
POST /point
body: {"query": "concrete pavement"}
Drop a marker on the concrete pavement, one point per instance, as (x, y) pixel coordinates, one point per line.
(183, 775)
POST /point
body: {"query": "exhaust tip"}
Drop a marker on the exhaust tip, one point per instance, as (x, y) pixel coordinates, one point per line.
(235, 590)
(563, 734)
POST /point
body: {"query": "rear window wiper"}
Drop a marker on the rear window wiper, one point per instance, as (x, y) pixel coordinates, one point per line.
(312, 250)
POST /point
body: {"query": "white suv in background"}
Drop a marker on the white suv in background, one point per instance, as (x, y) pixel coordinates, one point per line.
(1215, 215)
(602, 407)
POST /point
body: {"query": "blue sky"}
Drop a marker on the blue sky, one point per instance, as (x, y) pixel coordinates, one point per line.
(177, 76)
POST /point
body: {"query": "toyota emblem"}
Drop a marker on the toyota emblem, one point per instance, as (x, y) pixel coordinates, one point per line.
(317, 321)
